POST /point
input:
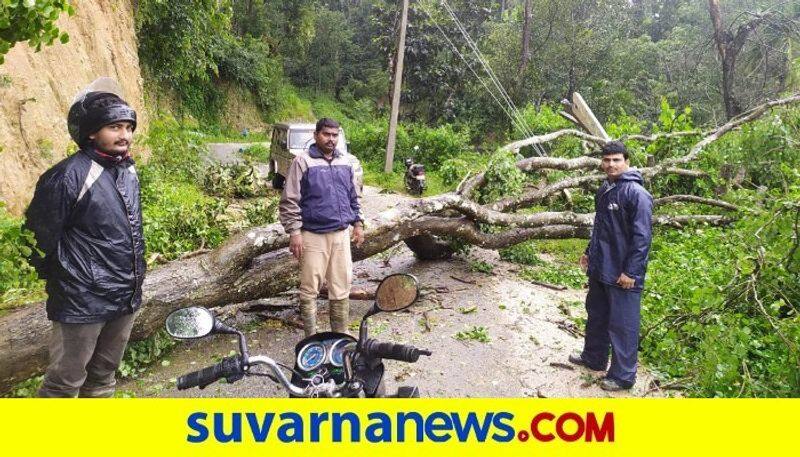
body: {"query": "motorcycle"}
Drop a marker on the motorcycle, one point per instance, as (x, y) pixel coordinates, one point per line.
(415, 177)
(327, 364)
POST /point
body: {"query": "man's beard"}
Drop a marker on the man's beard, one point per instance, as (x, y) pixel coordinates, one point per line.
(114, 152)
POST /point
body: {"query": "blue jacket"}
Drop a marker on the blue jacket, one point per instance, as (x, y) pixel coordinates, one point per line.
(319, 195)
(622, 230)
(87, 220)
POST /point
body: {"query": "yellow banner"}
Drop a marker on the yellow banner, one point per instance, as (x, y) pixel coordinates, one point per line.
(457, 427)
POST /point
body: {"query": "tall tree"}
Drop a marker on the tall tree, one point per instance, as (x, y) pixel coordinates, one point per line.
(525, 56)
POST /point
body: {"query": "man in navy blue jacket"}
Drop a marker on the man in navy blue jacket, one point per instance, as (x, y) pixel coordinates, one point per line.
(616, 262)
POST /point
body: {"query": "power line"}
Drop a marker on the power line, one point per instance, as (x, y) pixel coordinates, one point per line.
(515, 121)
(471, 43)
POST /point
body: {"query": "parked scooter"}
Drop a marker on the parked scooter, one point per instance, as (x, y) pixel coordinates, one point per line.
(415, 177)
(327, 364)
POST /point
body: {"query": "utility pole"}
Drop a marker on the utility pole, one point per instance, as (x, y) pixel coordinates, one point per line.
(398, 84)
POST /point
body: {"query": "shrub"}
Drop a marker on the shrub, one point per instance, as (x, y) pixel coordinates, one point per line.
(248, 63)
(18, 280)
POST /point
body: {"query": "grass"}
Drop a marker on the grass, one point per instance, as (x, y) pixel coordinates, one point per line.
(258, 152)
(561, 270)
(558, 275)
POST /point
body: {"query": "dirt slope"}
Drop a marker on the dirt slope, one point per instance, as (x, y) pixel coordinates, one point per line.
(36, 90)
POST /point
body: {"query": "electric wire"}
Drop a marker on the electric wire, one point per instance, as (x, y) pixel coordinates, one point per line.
(526, 130)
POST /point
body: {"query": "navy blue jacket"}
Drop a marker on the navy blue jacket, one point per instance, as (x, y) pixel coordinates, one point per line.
(622, 230)
(319, 195)
(87, 220)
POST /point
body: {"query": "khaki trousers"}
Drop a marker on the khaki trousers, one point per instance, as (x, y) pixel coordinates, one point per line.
(84, 358)
(326, 257)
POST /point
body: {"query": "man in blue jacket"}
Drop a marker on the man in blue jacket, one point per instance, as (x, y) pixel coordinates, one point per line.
(616, 261)
(87, 220)
(318, 207)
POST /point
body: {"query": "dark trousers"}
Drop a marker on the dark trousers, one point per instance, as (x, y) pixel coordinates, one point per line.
(613, 320)
(84, 358)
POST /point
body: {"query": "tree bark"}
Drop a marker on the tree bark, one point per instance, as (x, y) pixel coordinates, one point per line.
(729, 45)
(525, 55)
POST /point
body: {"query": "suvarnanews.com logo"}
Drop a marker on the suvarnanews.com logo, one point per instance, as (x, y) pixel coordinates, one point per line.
(399, 427)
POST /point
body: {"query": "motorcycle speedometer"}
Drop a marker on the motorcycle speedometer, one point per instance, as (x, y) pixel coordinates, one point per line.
(337, 351)
(311, 356)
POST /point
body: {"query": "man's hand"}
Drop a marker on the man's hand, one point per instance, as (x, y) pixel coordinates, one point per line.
(625, 281)
(584, 262)
(358, 235)
(296, 245)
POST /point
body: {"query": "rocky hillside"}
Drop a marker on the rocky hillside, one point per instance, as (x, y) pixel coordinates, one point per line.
(36, 89)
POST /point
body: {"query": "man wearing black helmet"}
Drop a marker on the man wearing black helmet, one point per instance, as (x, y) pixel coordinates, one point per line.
(87, 220)
(616, 261)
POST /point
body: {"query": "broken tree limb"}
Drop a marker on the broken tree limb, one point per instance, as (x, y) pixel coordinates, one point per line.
(694, 199)
(547, 138)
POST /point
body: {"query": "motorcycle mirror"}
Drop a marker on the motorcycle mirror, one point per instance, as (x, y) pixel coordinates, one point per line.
(188, 323)
(396, 292)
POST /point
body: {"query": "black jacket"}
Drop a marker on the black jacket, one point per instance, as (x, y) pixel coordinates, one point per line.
(87, 219)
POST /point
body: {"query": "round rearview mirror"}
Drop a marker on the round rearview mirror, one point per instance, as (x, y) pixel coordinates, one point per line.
(396, 292)
(186, 323)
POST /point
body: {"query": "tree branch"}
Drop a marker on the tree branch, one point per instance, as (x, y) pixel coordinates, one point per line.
(539, 139)
(694, 199)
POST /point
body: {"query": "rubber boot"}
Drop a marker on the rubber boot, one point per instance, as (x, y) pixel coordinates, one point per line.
(340, 315)
(308, 311)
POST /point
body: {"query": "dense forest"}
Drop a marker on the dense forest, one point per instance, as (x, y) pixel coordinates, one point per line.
(720, 314)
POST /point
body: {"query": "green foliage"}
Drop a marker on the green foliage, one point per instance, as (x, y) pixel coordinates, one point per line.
(257, 152)
(720, 308)
(33, 21)
(544, 120)
(767, 151)
(426, 145)
(188, 45)
(481, 266)
(177, 41)
(431, 146)
(177, 152)
(476, 333)
(178, 216)
(454, 170)
(503, 178)
(562, 269)
(524, 253)
(262, 211)
(558, 274)
(141, 354)
(19, 282)
(250, 64)
(27, 388)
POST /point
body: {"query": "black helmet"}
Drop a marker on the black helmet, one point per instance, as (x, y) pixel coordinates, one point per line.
(93, 111)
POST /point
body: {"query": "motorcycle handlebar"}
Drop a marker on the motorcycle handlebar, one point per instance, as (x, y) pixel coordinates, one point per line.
(401, 352)
(229, 368)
